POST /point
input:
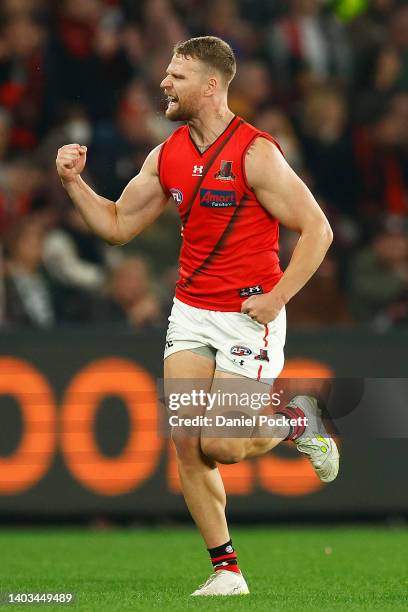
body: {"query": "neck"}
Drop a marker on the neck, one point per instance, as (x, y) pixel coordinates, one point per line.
(209, 124)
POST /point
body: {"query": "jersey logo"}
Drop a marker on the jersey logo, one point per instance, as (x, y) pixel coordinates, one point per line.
(225, 172)
(212, 198)
(248, 291)
(177, 195)
(198, 170)
(240, 351)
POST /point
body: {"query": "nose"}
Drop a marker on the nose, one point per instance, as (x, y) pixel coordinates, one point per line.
(166, 83)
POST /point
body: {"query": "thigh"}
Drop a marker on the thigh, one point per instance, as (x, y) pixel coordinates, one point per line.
(235, 402)
(188, 377)
(186, 330)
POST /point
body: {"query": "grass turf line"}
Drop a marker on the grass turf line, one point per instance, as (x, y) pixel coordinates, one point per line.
(305, 569)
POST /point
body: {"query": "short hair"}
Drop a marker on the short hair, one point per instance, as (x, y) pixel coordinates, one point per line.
(212, 51)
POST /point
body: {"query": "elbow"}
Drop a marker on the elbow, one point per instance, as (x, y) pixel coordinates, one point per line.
(323, 232)
(327, 233)
(115, 241)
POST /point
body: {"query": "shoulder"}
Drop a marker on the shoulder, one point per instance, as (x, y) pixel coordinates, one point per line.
(151, 163)
(262, 156)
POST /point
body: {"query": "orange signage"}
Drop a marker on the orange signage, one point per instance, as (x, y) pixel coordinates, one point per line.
(138, 461)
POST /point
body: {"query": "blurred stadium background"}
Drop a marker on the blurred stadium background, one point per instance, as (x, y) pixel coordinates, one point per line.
(82, 324)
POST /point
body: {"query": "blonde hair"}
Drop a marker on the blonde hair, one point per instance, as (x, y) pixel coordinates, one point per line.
(212, 51)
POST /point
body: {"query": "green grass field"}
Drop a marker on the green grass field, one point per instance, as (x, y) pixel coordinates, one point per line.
(286, 568)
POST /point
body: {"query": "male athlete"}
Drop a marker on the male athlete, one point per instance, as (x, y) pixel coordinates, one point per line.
(232, 187)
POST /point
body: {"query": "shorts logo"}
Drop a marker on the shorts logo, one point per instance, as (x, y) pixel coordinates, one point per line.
(197, 170)
(263, 355)
(225, 172)
(212, 198)
(240, 351)
(177, 195)
(248, 291)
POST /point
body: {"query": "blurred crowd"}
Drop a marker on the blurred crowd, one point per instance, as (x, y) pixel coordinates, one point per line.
(327, 78)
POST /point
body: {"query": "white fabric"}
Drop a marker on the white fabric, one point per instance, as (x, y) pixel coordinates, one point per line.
(191, 327)
(63, 262)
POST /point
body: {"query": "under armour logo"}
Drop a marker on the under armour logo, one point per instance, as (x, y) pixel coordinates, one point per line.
(198, 170)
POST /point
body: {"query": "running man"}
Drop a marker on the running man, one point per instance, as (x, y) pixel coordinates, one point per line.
(232, 187)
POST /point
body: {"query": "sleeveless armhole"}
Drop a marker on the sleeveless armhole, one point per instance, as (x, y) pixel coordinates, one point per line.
(254, 137)
(159, 170)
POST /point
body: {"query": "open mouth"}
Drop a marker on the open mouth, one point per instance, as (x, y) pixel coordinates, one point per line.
(172, 101)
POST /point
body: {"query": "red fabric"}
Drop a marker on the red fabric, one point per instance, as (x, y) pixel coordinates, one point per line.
(12, 211)
(77, 37)
(395, 194)
(265, 339)
(11, 94)
(230, 242)
(292, 32)
(228, 568)
(294, 413)
(224, 557)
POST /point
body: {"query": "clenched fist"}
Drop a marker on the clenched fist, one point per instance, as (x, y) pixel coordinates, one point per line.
(263, 308)
(71, 160)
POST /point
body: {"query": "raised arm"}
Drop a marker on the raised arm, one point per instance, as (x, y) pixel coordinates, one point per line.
(140, 204)
(286, 197)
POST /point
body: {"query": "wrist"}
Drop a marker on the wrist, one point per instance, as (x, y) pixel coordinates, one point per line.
(279, 295)
(68, 183)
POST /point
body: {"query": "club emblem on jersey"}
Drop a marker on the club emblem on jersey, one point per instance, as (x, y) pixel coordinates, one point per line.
(240, 351)
(225, 172)
(177, 195)
(263, 355)
(197, 170)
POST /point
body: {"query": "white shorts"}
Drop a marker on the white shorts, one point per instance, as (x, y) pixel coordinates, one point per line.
(238, 344)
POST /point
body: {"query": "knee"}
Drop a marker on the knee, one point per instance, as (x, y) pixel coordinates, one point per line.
(223, 450)
(187, 448)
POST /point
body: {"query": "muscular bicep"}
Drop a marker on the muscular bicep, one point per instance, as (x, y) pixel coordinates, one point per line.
(278, 188)
(142, 201)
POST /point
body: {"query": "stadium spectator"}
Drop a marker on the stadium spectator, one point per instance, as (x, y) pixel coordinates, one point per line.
(322, 302)
(28, 295)
(251, 90)
(328, 148)
(118, 150)
(22, 53)
(21, 184)
(76, 261)
(132, 299)
(308, 40)
(379, 278)
(381, 147)
(273, 121)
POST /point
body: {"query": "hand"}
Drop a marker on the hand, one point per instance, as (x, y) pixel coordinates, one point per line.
(71, 160)
(263, 308)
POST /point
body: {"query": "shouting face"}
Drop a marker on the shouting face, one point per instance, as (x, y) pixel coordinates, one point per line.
(185, 85)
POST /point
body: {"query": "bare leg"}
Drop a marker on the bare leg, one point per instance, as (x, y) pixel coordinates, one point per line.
(201, 481)
(220, 443)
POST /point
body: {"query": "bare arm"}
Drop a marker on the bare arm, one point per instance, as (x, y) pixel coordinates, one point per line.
(286, 197)
(140, 204)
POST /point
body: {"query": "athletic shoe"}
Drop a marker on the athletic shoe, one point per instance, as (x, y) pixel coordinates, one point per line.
(316, 441)
(223, 582)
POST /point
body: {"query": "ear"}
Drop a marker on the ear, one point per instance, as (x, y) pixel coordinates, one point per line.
(211, 88)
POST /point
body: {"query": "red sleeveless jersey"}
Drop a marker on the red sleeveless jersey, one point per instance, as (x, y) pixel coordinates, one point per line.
(230, 242)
